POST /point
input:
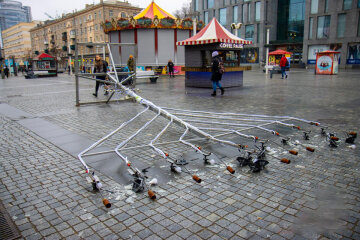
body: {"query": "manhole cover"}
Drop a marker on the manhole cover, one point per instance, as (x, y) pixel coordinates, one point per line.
(8, 230)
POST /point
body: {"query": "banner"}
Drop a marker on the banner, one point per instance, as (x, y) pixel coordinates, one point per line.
(313, 49)
(353, 56)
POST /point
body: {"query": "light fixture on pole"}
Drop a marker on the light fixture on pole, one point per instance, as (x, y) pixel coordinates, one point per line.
(236, 26)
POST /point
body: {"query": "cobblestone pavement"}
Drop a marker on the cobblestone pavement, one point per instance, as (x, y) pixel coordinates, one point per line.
(315, 197)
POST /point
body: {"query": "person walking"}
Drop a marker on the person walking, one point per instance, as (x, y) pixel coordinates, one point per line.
(6, 72)
(217, 71)
(283, 64)
(171, 68)
(131, 63)
(100, 67)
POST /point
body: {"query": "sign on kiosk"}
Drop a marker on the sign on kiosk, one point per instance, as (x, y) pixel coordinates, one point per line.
(327, 62)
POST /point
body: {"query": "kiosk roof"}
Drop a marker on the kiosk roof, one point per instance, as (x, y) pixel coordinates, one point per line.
(214, 32)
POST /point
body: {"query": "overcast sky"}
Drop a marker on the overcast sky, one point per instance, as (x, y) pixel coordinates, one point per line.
(57, 7)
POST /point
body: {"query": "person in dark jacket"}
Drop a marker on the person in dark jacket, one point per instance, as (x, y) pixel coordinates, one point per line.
(283, 62)
(100, 67)
(171, 68)
(216, 74)
(6, 71)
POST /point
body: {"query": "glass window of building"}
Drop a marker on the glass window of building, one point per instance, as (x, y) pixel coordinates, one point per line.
(196, 5)
(249, 32)
(235, 14)
(100, 14)
(323, 27)
(258, 32)
(314, 6)
(341, 25)
(311, 23)
(347, 4)
(222, 16)
(206, 17)
(123, 14)
(257, 11)
(210, 3)
(249, 12)
(111, 13)
(243, 13)
(358, 33)
(326, 6)
(358, 5)
(291, 18)
(94, 15)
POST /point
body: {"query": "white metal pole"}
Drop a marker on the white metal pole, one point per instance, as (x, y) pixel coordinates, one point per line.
(194, 26)
(267, 50)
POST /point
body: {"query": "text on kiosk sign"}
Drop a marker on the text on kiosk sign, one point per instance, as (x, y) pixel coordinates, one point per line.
(231, 45)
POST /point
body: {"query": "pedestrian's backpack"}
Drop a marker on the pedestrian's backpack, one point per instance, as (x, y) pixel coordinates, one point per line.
(221, 67)
(287, 63)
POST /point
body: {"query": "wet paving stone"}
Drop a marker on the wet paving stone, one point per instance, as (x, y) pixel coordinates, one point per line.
(45, 191)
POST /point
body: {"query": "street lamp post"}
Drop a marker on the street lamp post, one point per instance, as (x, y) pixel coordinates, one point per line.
(267, 50)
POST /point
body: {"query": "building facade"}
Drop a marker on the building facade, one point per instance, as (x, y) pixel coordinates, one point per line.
(57, 37)
(255, 17)
(302, 27)
(12, 13)
(17, 42)
(333, 25)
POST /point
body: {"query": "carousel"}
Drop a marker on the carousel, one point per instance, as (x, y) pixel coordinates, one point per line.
(155, 32)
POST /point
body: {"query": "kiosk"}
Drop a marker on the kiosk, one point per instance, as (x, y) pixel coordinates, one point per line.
(43, 65)
(198, 49)
(327, 62)
(274, 59)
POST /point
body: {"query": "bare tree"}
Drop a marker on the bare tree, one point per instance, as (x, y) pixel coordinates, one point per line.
(184, 11)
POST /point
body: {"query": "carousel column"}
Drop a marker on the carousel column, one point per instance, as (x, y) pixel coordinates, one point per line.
(119, 36)
(175, 46)
(156, 46)
(267, 50)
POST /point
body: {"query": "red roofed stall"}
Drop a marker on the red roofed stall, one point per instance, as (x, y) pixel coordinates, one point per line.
(198, 50)
(43, 63)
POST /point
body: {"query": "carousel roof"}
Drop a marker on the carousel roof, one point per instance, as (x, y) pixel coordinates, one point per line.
(154, 10)
(214, 32)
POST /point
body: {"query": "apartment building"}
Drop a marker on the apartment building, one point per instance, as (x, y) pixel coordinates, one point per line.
(57, 37)
(12, 13)
(17, 42)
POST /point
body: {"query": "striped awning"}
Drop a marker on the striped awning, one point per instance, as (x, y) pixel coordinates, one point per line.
(214, 32)
(154, 10)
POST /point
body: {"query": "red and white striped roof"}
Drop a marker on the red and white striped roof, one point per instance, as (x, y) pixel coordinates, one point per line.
(214, 32)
